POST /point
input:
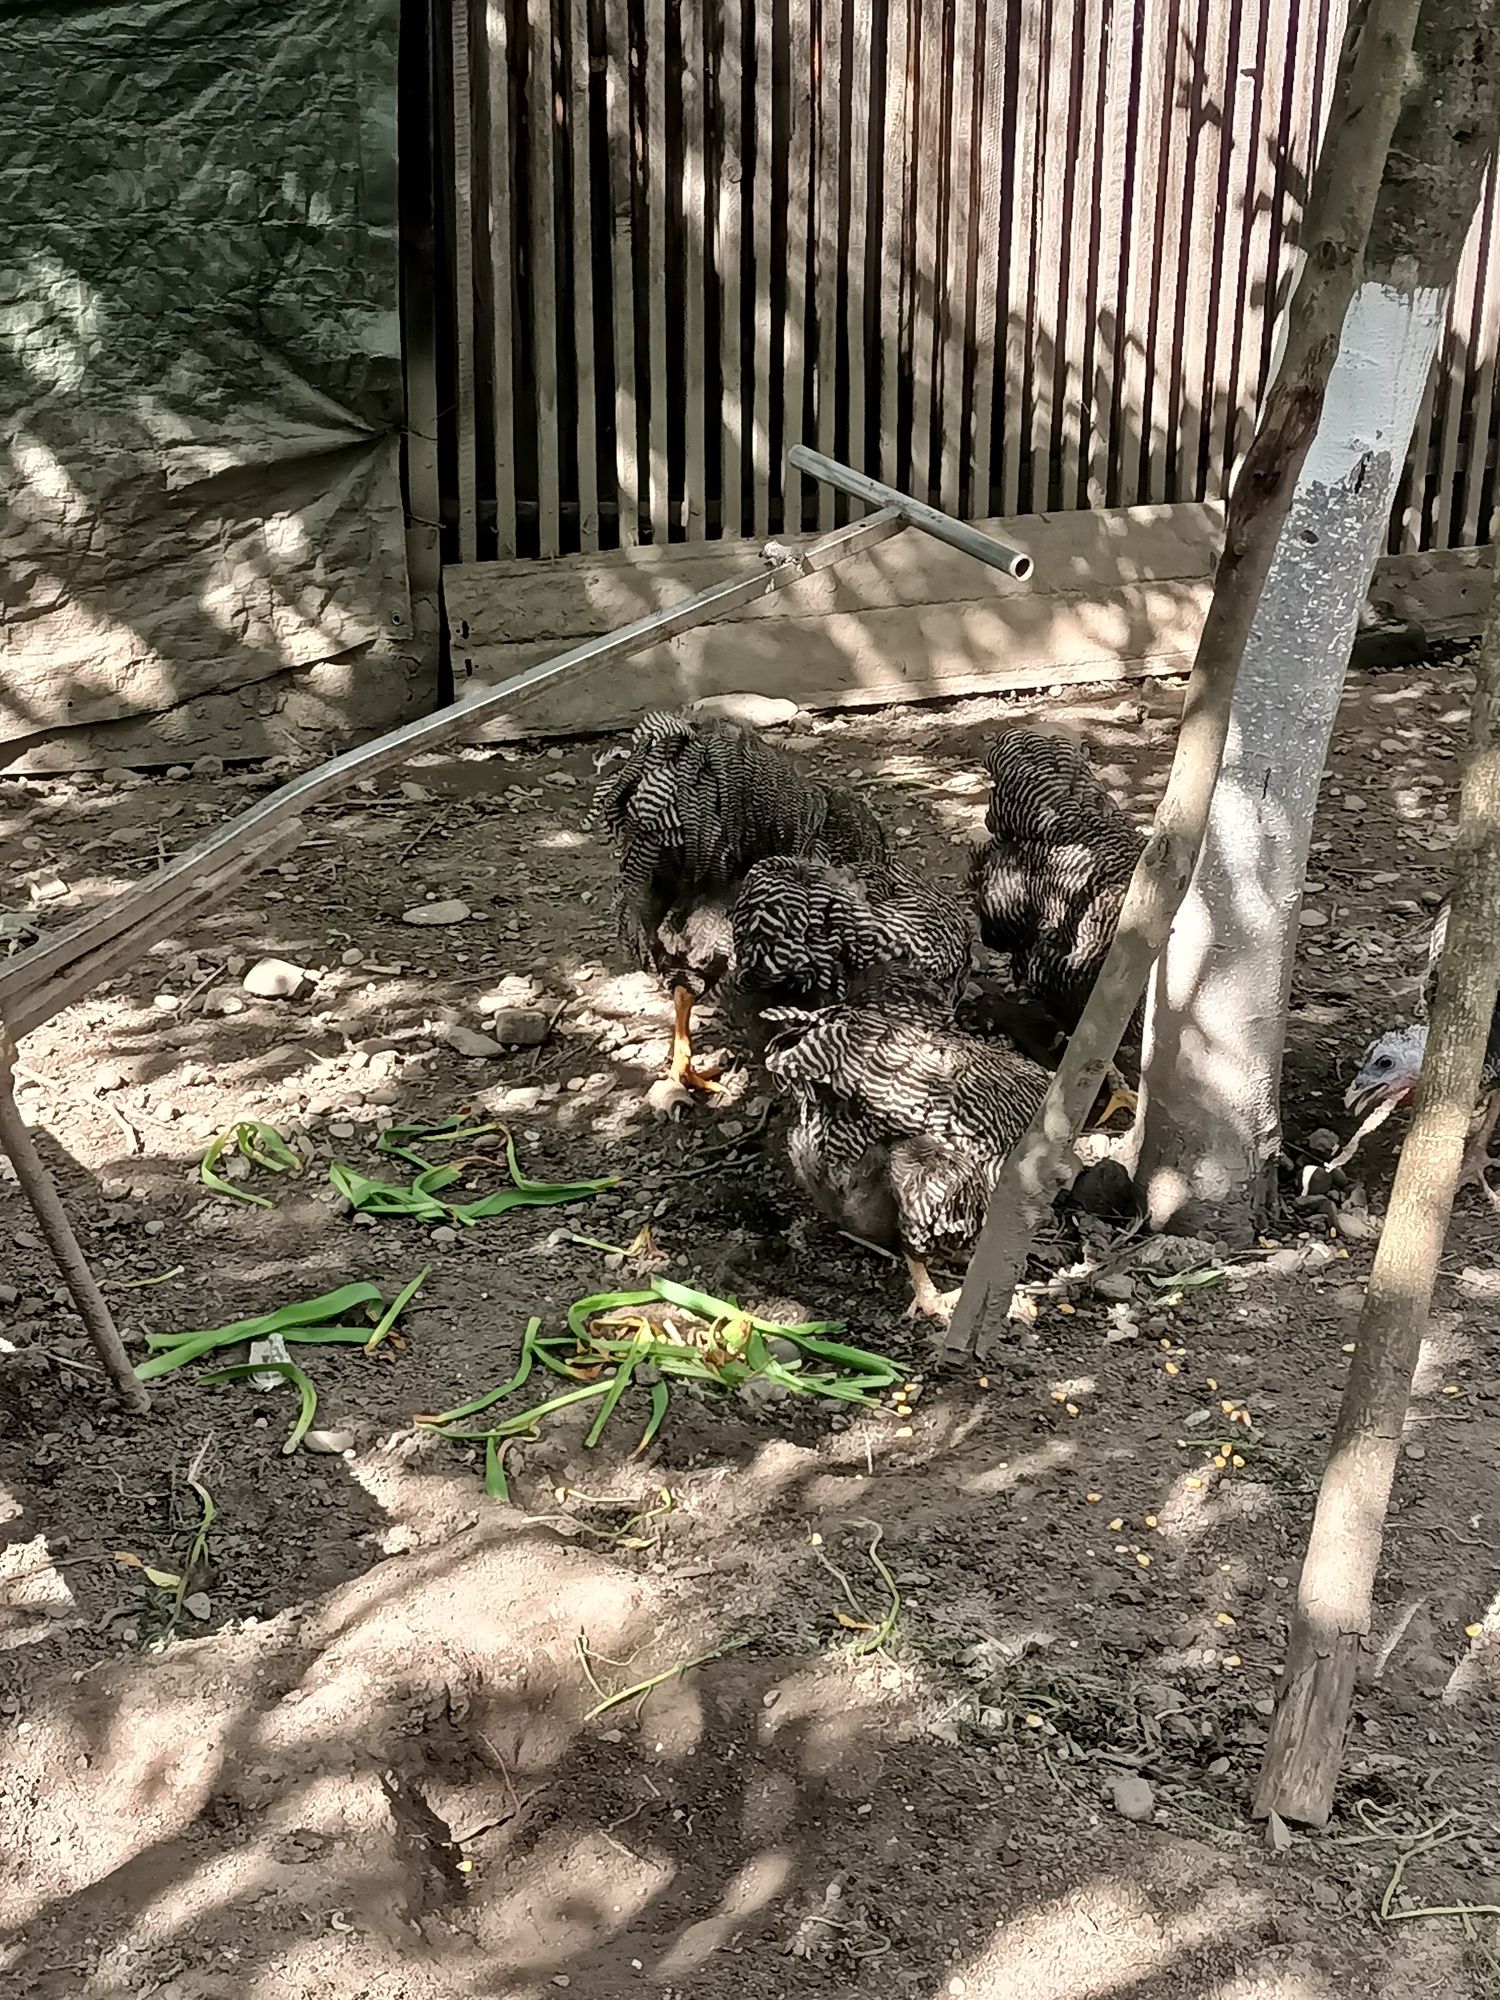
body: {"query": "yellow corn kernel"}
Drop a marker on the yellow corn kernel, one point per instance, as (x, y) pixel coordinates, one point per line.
(1115, 1525)
(1150, 1520)
(1170, 1368)
(1473, 1631)
(1144, 1561)
(1064, 1307)
(1093, 1498)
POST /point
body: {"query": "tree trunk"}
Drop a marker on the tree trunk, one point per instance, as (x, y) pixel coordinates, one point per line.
(1367, 97)
(1209, 1131)
(1337, 1584)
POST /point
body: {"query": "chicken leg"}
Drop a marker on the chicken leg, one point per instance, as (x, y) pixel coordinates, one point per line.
(1121, 1096)
(927, 1302)
(682, 1070)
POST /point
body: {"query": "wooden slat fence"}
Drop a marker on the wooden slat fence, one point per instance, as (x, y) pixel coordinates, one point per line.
(1013, 255)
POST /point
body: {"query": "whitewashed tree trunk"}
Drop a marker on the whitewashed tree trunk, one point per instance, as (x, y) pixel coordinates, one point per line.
(1209, 1129)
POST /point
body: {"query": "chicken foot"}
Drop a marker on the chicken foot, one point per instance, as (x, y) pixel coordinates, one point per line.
(682, 1070)
(1472, 1170)
(927, 1302)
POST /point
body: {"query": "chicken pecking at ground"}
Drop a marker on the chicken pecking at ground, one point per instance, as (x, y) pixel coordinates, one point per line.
(695, 804)
(1390, 1067)
(1051, 878)
(901, 1124)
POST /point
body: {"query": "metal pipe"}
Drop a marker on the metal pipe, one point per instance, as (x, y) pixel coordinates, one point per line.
(916, 513)
(46, 1205)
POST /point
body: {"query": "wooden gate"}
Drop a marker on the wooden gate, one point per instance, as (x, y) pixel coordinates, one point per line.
(1013, 255)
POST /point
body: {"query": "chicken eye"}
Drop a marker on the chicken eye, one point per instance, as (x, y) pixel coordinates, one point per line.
(1382, 1063)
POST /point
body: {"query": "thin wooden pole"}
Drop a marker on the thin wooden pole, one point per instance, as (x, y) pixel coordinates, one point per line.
(582, 252)
(1337, 1582)
(42, 1197)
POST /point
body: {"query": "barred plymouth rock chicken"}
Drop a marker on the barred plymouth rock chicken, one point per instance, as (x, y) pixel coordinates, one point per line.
(901, 1124)
(1051, 879)
(696, 803)
(1390, 1067)
(811, 933)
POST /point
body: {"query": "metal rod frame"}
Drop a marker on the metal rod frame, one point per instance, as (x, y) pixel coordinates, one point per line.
(915, 513)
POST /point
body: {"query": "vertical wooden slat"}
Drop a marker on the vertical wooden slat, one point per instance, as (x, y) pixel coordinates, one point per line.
(927, 171)
(1411, 495)
(1487, 343)
(1048, 302)
(826, 233)
(1455, 358)
(1162, 333)
(655, 70)
(1081, 226)
(1020, 343)
(540, 87)
(582, 252)
(730, 251)
(1208, 100)
(762, 472)
(463, 285)
(694, 226)
(1118, 58)
(622, 267)
(989, 150)
(894, 275)
(502, 272)
(1148, 155)
(1257, 184)
(858, 317)
(954, 474)
(797, 359)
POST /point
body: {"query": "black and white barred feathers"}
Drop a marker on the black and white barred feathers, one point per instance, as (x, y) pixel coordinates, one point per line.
(812, 933)
(902, 1123)
(696, 803)
(1051, 879)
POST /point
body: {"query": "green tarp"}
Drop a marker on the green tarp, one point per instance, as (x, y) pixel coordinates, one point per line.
(200, 362)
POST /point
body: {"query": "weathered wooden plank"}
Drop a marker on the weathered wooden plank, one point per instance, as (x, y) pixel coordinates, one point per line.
(501, 172)
(1049, 358)
(989, 162)
(955, 437)
(540, 87)
(1081, 221)
(1117, 58)
(896, 122)
(797, 358)
(1203, 271)
(828, 153)
(859, 316)
(1486, 349)
(927, 249)
(657, 207)
(1022, 335)
(730, 247)
(1148, 151)
(581, 248)
(463, 284)
(622, 267)
(694, 223)
(1256, 188)
(762, 361)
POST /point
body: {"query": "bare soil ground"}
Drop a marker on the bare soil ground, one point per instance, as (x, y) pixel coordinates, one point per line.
(368, 1769)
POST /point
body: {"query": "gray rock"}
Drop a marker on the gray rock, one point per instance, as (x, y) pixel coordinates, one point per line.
(451, 910)
(208, 767)
(329, 1443)
(520, 1027)
(1132, 1798)
(275, 979)
(754, 711)
(469, 1042)
(1115, 1285)
(1323, 1143)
